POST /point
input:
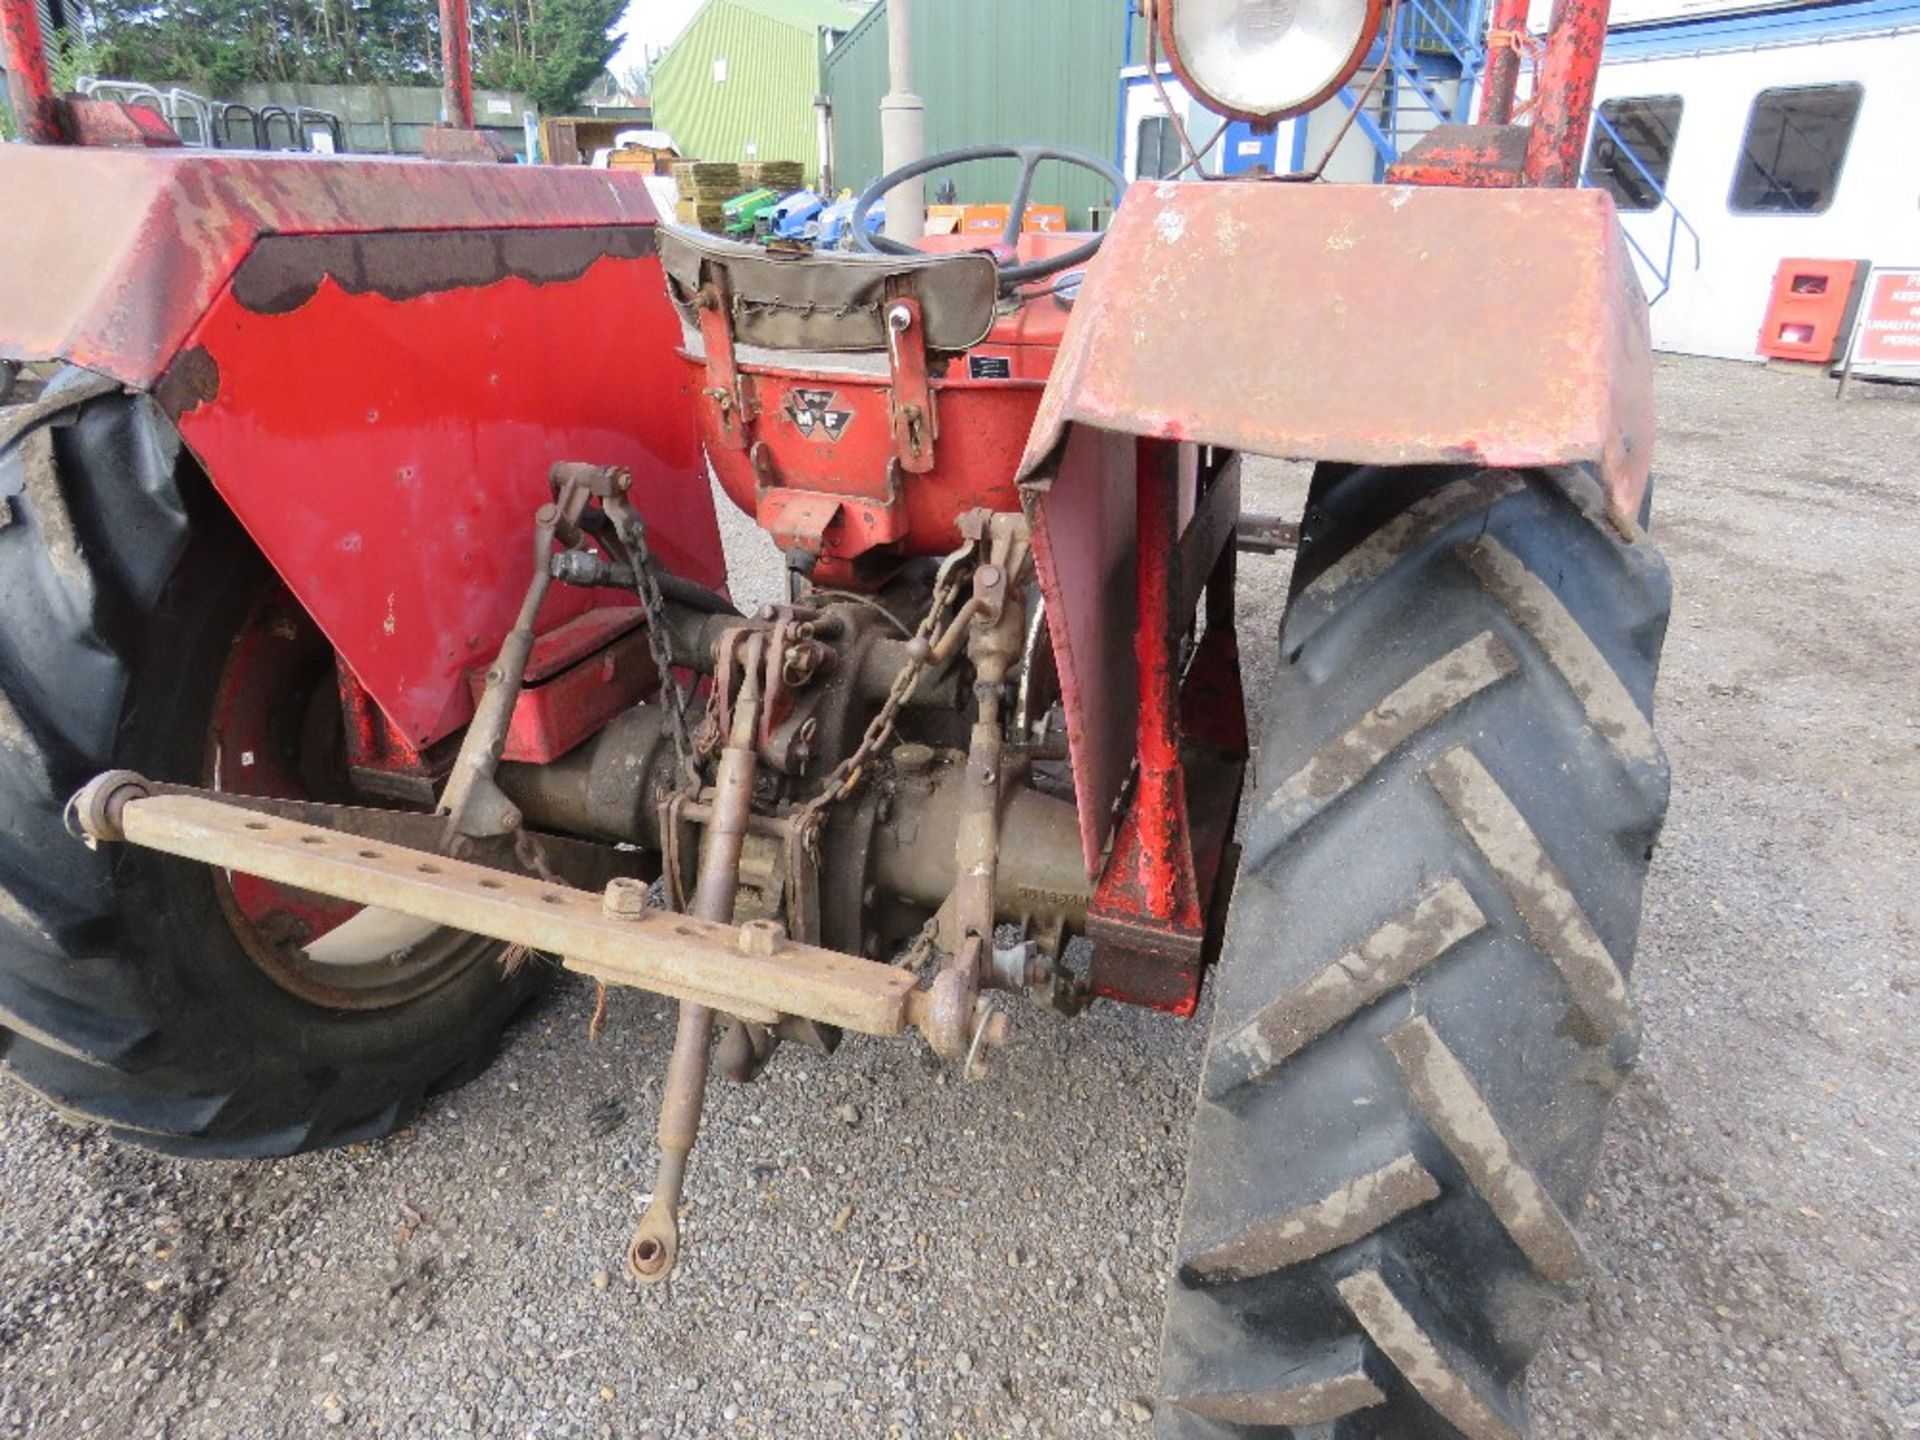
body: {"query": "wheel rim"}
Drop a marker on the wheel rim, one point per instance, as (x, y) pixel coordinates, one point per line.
(276, 732)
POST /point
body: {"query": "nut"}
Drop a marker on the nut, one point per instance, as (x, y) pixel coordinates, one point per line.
(762, 937)
(625, 899)
(912, 758)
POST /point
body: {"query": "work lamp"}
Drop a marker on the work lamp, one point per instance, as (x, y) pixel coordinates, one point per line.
(1265, 60)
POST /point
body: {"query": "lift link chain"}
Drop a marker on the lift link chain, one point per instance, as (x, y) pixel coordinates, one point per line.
(632, 530)
(847, 775)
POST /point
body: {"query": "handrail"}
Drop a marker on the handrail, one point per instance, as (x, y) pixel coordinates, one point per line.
(1453, 26)
(1674, 226)
(1456, 32)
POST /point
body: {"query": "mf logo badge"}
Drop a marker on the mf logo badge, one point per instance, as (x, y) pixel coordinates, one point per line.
(814, 416)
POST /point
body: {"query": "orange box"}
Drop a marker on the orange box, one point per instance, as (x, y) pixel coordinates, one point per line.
(1807, 312)
(979, 218)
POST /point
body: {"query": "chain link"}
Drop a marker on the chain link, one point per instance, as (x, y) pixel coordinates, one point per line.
(633, 534)
(847, 775)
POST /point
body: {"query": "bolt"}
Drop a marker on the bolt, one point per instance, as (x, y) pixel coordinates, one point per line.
(912, 758)
(625, 899)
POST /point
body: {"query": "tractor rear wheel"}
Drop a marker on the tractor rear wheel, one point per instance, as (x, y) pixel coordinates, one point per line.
(1422, 1015)
(188, 1010)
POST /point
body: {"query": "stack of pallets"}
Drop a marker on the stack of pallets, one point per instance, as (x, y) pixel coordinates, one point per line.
(780, 176)
(705, 186)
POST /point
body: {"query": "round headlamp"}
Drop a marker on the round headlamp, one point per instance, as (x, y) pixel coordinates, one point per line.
(1265, 60)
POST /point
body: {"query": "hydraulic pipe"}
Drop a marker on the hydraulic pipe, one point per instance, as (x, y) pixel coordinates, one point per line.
(1503, 61)
(1568, 73)
(903, 129)
(29, 82)
(456, 63)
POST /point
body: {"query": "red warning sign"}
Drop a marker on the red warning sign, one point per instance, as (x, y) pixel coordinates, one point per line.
(1889, 325)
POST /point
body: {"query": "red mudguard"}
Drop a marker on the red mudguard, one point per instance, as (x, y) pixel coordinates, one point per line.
(1368, 324)
(375, 361)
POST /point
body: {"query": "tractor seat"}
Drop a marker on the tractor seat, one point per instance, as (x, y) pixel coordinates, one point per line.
(829, 301)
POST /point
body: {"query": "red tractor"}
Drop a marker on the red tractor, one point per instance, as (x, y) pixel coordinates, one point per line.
(367, 638)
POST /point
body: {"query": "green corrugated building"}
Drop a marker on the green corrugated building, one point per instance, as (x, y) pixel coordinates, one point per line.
(1044, 71)
(740, 81)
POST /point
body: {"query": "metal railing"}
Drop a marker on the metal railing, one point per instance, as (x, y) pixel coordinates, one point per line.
(1425, 31)
(221, 125)
(1677, 222)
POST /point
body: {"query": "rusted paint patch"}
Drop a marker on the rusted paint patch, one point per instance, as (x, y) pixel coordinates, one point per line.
(1484, 156)
(1425, 264)
(191, 381)
(284, 271)
(165, 230)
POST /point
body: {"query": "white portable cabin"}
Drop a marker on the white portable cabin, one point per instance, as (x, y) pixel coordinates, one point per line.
(1737, 136)
(1733, 134)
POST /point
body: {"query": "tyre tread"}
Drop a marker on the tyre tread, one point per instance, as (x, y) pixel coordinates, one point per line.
(1463, 694)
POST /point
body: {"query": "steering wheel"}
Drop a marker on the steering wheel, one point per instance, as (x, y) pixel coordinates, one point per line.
(1029, 156)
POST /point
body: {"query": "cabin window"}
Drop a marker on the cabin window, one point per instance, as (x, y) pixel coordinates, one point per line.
(1156, 149)
(1633, 149)
(1795, 145)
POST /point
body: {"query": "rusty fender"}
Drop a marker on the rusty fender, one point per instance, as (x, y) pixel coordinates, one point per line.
(1372, 324)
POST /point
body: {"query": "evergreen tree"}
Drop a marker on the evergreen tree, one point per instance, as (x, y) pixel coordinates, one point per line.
(550, 49)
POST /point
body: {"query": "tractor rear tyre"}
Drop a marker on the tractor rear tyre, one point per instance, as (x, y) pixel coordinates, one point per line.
(177, 1005)
(1422, 1015)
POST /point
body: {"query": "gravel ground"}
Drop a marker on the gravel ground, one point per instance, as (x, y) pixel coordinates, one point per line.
(873, 1250)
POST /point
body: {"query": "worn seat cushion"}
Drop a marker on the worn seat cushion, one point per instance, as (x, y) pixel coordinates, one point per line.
(830, 301)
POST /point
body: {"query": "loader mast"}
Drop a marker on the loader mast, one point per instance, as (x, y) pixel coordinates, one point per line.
(23, 51)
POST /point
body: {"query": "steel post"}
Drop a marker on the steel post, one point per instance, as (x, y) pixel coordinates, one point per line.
(456, 63)
(29, 82)
(1508, 22)
(903, 129)
(1567, 75)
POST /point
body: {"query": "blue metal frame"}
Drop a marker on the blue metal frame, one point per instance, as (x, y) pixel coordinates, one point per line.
(1436, 40)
